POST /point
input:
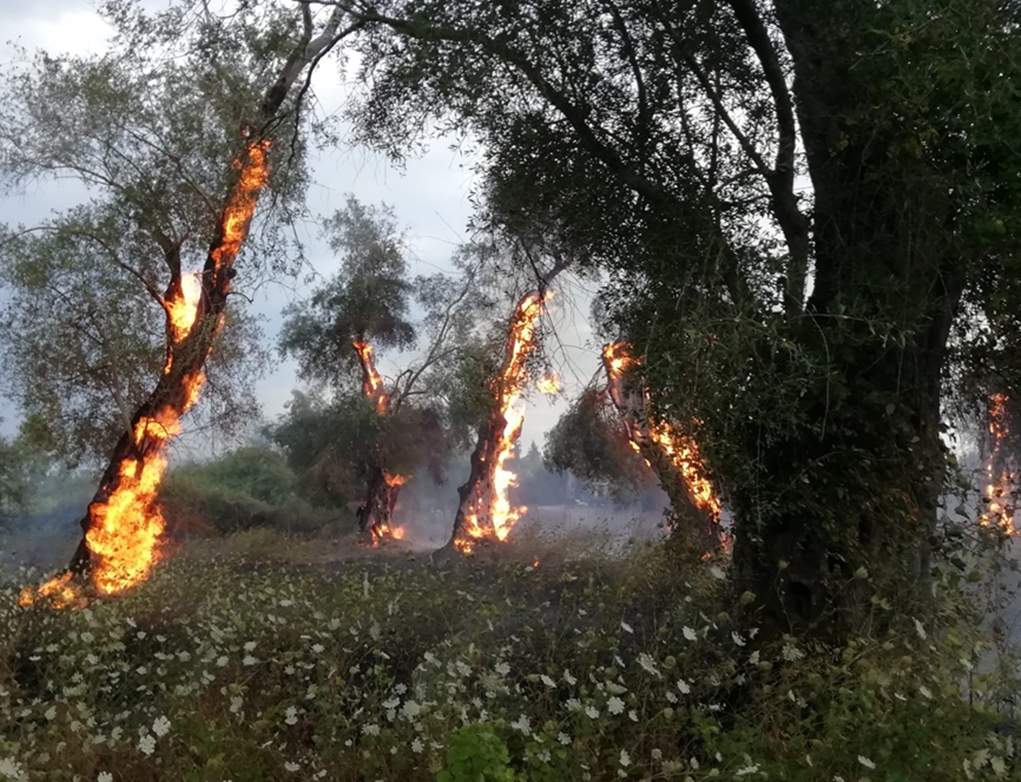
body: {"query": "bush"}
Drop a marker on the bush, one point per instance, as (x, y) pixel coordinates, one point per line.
(245, 489)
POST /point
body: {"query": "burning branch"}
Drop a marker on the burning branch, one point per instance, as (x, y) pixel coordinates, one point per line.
(675, 457)
(485, 511)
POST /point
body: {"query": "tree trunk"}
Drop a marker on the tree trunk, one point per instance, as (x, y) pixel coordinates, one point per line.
(475, 493)
(376, 514)
(840, 508)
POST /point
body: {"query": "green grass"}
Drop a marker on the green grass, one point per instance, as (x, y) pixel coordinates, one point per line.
(590, 666)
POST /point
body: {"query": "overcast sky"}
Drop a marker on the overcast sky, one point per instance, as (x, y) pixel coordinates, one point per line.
(430, 197)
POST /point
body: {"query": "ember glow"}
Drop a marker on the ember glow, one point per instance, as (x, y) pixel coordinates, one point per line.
(125, 528)
(1000, 472)
(681, 451)
(489, 513)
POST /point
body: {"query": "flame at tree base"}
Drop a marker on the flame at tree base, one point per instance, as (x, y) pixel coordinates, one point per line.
(485, 512)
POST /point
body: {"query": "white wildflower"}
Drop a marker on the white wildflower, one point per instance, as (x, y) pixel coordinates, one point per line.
(671, 697)
(632, 715)
(684, 687)
(11, 769)
(104, 776)
(249, 660)
(221, 661)
(573, 704)
(568, 678)
(657, 754)
(522, 724)
(737, 639)
(147, 744)
(161, 726)
(318, 648)
(753, 658)
(625, 759)
(626, 627)
(591, 712)
(742, 772)
(615, 705)
(410, 709)
(689, 634)
(250, 646)
(416, 745)
(563, 738)
(717, 573)
(791, 653)
(866, 762)
(648, 664)
(502, 668)
(998, 766)
(926, 692)
(292, 767)
(291, 716)
(370, 730)
(547, 681)
(51, 713)
(920, 630)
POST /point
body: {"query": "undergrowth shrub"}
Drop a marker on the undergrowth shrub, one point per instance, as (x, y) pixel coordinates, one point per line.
(247, 488)
(499, 670)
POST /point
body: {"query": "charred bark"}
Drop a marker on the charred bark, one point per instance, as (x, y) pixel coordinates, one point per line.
(376, 514)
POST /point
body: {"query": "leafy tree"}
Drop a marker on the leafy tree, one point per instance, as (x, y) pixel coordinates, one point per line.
(370, 431)
(808, 212)
(177, 130)
(591, 441)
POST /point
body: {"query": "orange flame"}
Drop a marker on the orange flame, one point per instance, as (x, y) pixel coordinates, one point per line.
(999, 491)
(549, 384)
(490, 514)
(125, 529)
(372, 384)
(681, 451)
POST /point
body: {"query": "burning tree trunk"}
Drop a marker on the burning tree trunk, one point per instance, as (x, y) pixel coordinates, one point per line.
(1001, 471)
(484, 510)
(123, 525)
(674, 457)
(375, 517)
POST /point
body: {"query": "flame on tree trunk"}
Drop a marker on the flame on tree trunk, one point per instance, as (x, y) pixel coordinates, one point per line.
(1001, 471)
(123, 524)
(485, 511)
(673, 456)
(375, 517)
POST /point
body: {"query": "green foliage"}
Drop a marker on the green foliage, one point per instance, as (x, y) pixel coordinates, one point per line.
(246, 488)
(367, 299)
(477, 754)
(591, 440)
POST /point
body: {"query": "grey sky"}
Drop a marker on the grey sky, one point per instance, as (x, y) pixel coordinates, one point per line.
(430, 198)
